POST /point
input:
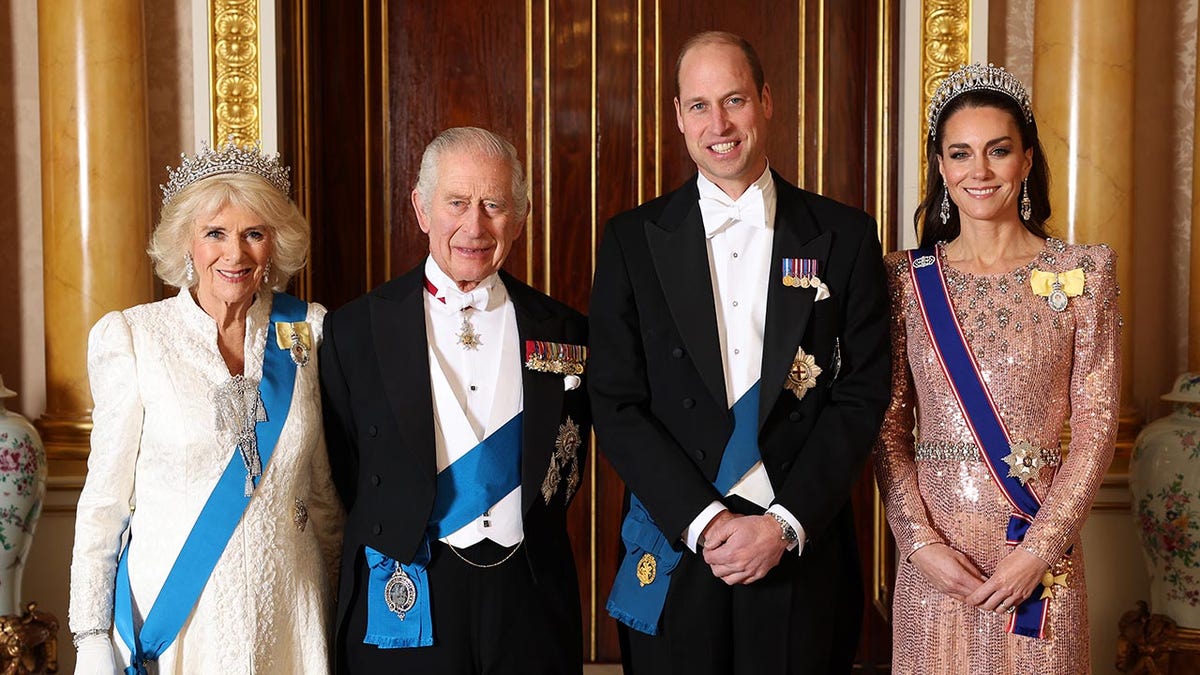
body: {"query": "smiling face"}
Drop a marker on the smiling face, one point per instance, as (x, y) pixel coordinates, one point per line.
(722, 115)
(471, 217)
(230, 251)
(983, 164)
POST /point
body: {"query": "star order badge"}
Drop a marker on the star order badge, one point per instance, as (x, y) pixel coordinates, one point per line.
(564, 458)
(1024, 461)
(803, 374)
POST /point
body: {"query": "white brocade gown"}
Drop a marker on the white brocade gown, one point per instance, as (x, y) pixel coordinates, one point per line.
(156, 456)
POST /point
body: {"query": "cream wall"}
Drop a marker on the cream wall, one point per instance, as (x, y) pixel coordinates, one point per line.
(1165, 55)
(1164, 76)
(22, 362)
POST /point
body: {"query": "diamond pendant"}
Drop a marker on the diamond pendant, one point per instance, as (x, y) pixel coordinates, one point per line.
(467, 337)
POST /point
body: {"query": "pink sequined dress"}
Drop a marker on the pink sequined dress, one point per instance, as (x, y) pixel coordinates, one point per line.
(1042, 367)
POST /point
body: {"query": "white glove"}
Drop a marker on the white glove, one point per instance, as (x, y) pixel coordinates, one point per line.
(94, 656)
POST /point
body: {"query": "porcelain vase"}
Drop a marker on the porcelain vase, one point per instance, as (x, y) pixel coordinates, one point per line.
(1164, 476)
(22, 489)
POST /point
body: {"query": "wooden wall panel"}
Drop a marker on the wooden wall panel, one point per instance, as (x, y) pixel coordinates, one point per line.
(773, 29)
(450, 64)
(585, 92)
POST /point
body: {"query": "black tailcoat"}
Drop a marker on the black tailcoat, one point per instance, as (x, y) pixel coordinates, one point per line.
(379, 426)
(659, 400)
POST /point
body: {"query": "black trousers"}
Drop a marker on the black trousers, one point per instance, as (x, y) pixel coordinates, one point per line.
(486, 621)
(803, 618)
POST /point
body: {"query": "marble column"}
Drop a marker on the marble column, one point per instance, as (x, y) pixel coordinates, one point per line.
(1084, 53)
(95, 193)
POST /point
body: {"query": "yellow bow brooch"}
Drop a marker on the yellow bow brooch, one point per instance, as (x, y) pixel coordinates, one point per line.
(296, 338)
(1056, 288)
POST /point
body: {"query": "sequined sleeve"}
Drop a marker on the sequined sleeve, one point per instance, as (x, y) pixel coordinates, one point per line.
(1095, 399)
(895, 464)
(103, 510)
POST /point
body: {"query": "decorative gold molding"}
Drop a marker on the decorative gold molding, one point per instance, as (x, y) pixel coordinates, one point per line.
(884, 181)
(298, 128)
(234, 52)
(639, 105)
(882, 564)
(385, 122)
(820, 111)
(529, 136)
(801, 44)
(945, 42)
(945, 45)
(547, 146)
(658, 127)
(882, 554)
(593, 517)
(368, 225)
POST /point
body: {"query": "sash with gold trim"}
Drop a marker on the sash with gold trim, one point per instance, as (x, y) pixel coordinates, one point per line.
(983, 419)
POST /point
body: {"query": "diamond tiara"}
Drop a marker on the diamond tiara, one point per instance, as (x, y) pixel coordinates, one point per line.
(977, 77)
(233, 158)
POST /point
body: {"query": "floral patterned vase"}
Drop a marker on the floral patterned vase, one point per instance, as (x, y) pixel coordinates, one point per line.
(1164, 476)
(22, 488)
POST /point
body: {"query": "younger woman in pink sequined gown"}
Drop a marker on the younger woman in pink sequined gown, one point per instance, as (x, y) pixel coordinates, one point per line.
(1043, 365)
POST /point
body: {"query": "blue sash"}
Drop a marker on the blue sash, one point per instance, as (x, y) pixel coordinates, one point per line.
(218, 519)
(979, 410)
(640, 589)
(466, 489)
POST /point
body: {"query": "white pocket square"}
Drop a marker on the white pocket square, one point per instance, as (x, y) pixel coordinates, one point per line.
(822, 292)
(571, 382)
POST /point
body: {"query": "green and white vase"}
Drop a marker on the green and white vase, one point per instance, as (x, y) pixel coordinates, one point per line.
(1164, 476)
(22, 490)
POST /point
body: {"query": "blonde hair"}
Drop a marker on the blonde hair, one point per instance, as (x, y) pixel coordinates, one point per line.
(171, 241)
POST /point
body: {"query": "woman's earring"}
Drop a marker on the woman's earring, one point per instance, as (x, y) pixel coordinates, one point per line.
(267, 271)
(188, 268)
(1026, 203)
(945, 206)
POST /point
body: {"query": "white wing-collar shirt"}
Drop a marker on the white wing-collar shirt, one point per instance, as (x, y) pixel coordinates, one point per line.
(739, 234)
(475, 391)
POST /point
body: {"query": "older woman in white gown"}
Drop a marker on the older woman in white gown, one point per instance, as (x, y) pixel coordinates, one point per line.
(208, 431)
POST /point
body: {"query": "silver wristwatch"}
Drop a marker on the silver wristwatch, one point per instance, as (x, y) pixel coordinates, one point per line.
(789, 534)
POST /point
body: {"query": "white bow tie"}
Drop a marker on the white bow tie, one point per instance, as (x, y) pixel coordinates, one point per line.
(475, 299)
(452, 297)
(719, 215)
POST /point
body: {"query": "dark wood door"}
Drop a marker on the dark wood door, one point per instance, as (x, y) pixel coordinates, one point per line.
(584, 91)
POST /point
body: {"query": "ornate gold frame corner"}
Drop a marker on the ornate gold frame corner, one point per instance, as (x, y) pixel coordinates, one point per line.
(235, 65)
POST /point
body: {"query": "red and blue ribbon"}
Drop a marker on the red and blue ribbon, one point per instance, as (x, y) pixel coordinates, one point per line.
(979, 410)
